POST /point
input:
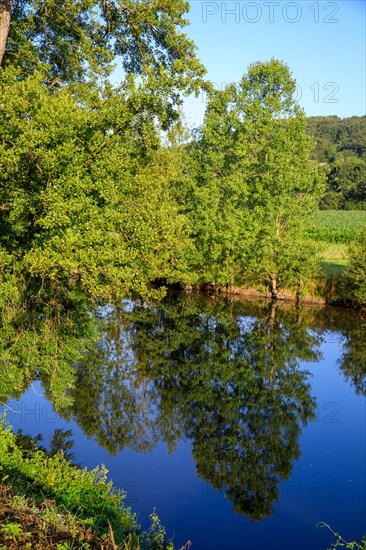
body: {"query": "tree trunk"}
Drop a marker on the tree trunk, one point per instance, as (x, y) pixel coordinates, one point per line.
(272, 318)
(5, 14)
(274, 290)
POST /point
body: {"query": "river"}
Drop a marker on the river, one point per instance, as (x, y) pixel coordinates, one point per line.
(242, 423)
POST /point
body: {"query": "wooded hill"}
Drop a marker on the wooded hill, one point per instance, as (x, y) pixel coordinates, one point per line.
(341, 145)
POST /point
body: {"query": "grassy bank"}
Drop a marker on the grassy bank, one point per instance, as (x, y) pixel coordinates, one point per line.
(333, 258)
(333, 231)
(24, 524)
(45, 502)
(340, 236)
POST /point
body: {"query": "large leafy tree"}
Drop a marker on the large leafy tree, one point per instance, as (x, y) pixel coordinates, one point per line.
(79, 40)
(212, 193)
(84, 189)
(284, 184)
(83, 179)
(255, 181)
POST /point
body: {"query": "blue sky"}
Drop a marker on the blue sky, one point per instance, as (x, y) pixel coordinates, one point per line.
(323, 43)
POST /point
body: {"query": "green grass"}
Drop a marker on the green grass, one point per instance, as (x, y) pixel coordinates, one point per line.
(337, 226)
(333, 230)
(334, 253)
(25, 525)
(82, 492)
(333, 258)
(85, 494)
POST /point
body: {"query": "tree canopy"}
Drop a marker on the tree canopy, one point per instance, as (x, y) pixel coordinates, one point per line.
(249, 185)
(95, 193)
(78, 40)
(83, 177)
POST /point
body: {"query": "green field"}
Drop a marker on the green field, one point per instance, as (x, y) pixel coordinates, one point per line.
(333, 258)
(337, 226)
(333, 230)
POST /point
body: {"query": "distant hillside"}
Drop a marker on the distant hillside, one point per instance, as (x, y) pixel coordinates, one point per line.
(341, 145)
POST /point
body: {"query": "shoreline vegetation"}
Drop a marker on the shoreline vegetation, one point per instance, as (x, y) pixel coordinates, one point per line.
(338, 280)
(327, 293)
(339, 269)
(48, 503)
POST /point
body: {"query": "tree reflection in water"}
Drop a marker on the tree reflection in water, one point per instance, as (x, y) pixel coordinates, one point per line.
(224, 374)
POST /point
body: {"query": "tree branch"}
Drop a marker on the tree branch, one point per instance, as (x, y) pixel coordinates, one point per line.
(5, 15)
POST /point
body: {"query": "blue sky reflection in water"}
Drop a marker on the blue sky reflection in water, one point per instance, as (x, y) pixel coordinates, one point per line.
(326, 478)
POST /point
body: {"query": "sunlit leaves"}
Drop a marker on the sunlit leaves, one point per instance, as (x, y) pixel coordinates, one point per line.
(254, 185)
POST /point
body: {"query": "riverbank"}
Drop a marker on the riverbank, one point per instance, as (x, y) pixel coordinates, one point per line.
(24, 524)
(46, 502)
(321, 292)
(253, 293)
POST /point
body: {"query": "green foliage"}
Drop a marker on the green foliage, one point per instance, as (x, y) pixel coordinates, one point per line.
(55, 499)
(354, 282)
(341, 145)
(337, 138)
(334, 226)
(155, 536)
(11, 531)
(341, 542)
(84, 190)
(83, 179)
(82, 41)
(82, 492)
(347, 181)
(249, 186)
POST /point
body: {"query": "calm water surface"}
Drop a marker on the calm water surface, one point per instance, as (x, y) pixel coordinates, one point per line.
(242, 424)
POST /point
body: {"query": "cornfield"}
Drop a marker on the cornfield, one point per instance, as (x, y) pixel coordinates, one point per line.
(337, 226)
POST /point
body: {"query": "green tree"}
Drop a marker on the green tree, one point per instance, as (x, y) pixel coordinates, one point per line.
(255, 185)
(347, 177)
(211, 193)
(341, 145)
(84, 189)
(83, 179)
(84, 41)
(336, 137)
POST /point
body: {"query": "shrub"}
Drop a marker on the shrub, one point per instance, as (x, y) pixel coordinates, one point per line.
(354, 281)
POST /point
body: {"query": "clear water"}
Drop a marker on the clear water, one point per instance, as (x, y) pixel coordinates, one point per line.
(242, 424)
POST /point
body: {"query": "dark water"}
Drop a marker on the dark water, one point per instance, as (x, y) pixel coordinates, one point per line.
(242, 424)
